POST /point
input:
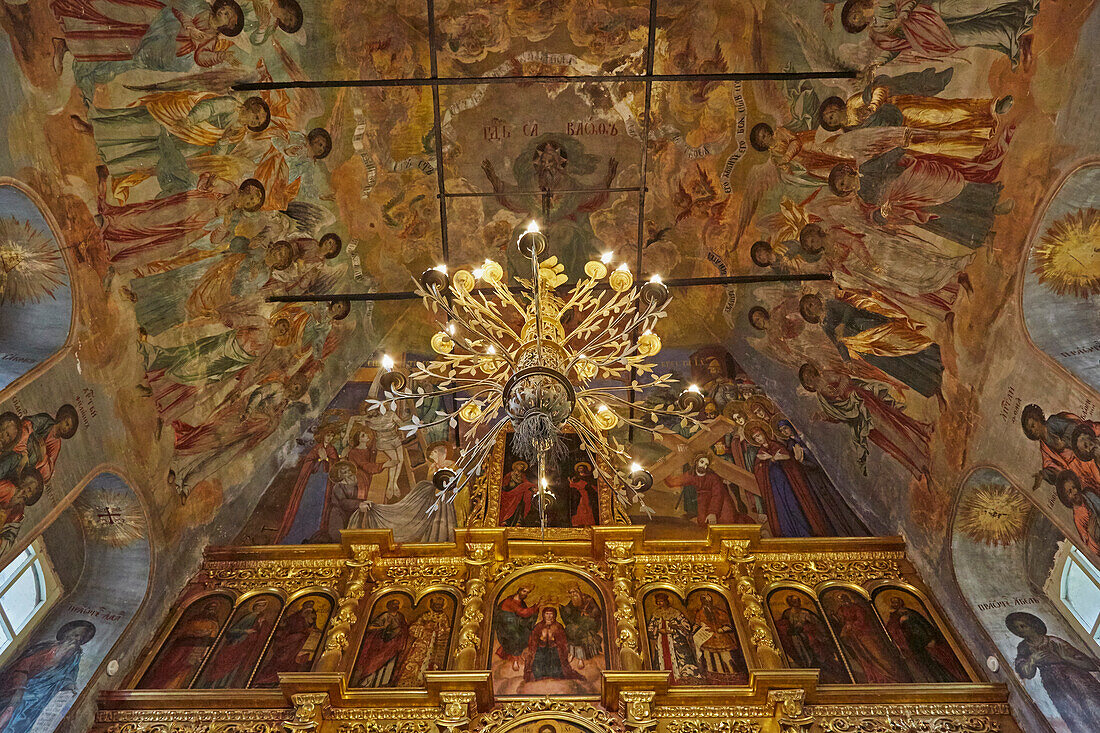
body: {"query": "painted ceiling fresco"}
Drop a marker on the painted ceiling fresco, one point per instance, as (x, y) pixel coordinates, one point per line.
(939, 168)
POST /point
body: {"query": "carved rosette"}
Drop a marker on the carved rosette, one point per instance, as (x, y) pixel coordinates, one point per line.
(742, 566)
(359, 580)
(477, 561)
(289, 576)
(620, 556)
(818, 567)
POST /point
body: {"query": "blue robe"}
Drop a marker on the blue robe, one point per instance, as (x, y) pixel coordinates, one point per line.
(41, 688)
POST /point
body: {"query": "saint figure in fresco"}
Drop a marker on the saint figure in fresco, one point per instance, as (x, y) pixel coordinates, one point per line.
(383, 644)
(873, 659)
(1084, 505)
(15, 496)
(715, 638)
(547, 654)
(584, 507)
(513, 622)
(31, 680)
(292, 645)
(186, 647)
(670, 640)
(231, 664)
(1065, 672)
(517, 495)
(34, 441)
(791, 507)
(840, 517)
(807, 643)
(426, 649)
(582, 618)
(926, 652)
(1054, 434)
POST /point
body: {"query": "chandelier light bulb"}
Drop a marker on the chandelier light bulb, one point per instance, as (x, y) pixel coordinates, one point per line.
(441, 268)
(655, 279)
(451, 328)
(694, 388)
(491, 350)
(635, 467)
(606, 257)
(478, 272)
(533, 226)
(622, 267)
(387, 362)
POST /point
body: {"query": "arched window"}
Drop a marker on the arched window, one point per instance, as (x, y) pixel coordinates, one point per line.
(28, 588)
(1074, 586)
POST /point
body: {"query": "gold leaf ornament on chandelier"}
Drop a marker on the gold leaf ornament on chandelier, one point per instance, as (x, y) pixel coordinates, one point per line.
(546, 379)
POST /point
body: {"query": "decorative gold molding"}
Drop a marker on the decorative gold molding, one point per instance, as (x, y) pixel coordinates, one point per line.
(790, 712)
(726, 725)
(890, 724)
(710, 712)
(374, 724)
(592, 715)
(479, 556)
(818, 567)
(455, 709)
(636, 709)
(680, 571)
(591, 567)
(287, 575)
(308, 710)
(920, 710)
(418, 573)
(193, 721)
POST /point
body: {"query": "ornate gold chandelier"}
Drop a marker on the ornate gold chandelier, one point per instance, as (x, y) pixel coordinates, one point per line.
(543, 378)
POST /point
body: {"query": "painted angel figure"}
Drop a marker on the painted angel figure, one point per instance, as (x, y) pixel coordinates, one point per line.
(30, 263)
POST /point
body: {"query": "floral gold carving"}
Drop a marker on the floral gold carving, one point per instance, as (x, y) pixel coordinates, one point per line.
(636, 709)
(308, 710)
(741, 565)
(549, 558)
(907, 724)
(790, 712)
(287, 575)
(681, 571)
(714, 726)
(418, 573)
(595, 717)
(818, 567)
(454, 711)
(194, 721)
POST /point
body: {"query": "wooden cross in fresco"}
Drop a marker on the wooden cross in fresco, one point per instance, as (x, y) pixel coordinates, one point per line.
(108, 514)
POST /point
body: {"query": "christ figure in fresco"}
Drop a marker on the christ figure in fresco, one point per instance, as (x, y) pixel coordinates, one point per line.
(513, 622)
(700, 486)
(43, 670)
(670, 641)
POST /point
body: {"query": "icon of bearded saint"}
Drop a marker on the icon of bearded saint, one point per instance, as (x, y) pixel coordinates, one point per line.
(30, 263)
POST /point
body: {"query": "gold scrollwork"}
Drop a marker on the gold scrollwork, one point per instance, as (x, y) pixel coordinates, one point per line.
(287, 575)
(680, 571)
(714, 726)
(374, 725)
(889, 724)
(818, 567)
(418, 573)
(549, 558)
(194, 721)
(594, 717)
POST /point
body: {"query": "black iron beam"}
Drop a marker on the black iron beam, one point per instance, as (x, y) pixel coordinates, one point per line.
(458, 81)
(672, 282)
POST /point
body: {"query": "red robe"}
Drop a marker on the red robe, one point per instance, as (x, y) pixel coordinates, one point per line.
(381, 644)
(104, 30)
(365, 468)
(583, 517)
(513, 497)
(317, 455)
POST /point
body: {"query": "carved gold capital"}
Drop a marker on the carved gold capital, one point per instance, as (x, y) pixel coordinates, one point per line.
(454, 711)
(636, 710)
(790, 713)
(308, 711)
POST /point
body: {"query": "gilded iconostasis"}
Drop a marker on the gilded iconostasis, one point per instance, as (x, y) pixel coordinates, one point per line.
(165, 170)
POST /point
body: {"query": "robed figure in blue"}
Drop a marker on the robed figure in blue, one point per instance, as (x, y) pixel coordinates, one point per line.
(28, 683)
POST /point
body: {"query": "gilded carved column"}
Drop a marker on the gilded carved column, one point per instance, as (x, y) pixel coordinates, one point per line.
(741, 566)
(620, 555)
(359, 579)
(478, 558)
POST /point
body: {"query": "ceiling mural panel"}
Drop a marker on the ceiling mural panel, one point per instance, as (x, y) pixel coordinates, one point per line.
(936, 165)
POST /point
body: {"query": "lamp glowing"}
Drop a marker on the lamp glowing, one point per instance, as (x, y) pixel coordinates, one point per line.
(441, 268)
(533, 226)
(387, 362)
(606, 257)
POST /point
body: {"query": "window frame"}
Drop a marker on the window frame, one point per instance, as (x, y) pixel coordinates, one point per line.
(1069, 556)
(52, 592)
